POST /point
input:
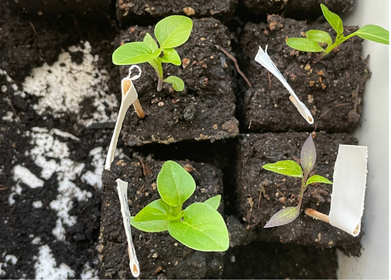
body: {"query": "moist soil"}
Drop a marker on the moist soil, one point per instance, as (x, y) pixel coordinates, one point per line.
(29, 39)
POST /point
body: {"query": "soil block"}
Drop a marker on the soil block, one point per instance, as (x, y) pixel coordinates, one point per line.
(332, 89)
(262, 193)
(205, 110)
(160, 255)
(135, 11)
(297, 9)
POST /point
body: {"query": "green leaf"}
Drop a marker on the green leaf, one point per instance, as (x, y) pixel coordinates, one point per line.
(214, 201)
(304, 44)
(150, 42)
(173, 31)
(202, 229)
(171, 56)
(334, 20)
(150, 226)
(308, 155)
(176, 82)
(283, 217)
(285, 167)
(374, 33)
(133, 53)
(319, 36)
(156, 210)
(175, 184)
(318, 179)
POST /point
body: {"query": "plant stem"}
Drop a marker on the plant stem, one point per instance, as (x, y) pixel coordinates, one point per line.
(160, 75)
(159, 84)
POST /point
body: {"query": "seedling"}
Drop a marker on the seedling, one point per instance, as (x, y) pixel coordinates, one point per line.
(170, 32)
(291, 168)
(316, 40)
(199, 226)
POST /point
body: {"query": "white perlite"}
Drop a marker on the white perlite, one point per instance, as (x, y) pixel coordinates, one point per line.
(46, 266)
(47, 146)
(65, 84)
(9, 259)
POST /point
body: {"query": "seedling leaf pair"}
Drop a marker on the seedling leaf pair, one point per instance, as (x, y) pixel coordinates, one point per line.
(170, 32)
(316, 39)
(199, 226)
(293, 169)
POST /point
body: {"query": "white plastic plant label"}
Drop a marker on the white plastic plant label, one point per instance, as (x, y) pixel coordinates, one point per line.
(347, 199)
(122, 188)
(129, 96)
(263, 58)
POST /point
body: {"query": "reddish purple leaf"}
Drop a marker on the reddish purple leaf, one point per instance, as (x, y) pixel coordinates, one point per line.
(283, 217)
(308, 155)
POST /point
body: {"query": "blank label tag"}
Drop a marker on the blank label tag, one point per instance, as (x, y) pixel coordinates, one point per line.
(347, 199)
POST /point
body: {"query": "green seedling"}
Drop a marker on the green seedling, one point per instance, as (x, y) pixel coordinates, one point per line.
(317, 40)
(170, 32)
(199, 226)
(291, 168)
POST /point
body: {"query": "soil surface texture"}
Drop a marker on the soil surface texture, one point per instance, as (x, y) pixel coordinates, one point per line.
(205, 110)
(59, 98)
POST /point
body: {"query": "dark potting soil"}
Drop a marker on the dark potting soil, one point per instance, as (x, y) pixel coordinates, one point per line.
(149, 11)
(160, 255)
(205, 110)
(332, 89)
(29, 41)
(261, 193)
(296, 9)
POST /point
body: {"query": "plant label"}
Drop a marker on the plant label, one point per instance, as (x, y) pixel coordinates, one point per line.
(263, 58)
(122, 188)
(347, 199)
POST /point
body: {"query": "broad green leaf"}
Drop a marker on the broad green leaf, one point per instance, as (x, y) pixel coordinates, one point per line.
(156, 210)
(334, 20)
(285, 167)
(173, 31)
(283, 217)
(176, 82)
(150, 42)
(175, 184)
(202, 229)
(319, 36)
(133, 53)
(374, 33)
(171, 56)
(214, 201)
(150, 226)
(304, 44)
(318, 179)
(308, 155)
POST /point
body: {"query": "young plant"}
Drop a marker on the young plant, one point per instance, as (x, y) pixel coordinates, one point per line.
(170, 32)
(315, 38)
(291, 168)
(199, 226)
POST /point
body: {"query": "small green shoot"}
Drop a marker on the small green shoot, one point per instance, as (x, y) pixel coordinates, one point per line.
(291, 168)
(199, 226)
(317, 40)
(170, 32)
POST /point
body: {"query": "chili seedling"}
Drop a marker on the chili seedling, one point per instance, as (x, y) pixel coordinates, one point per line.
(170, 32)
(200, 226)
(293, 169)
(316, 40)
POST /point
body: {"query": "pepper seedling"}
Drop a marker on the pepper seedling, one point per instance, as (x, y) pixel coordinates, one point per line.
(170, 32)
(199, 226)
(291, 168)
(315, 39)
